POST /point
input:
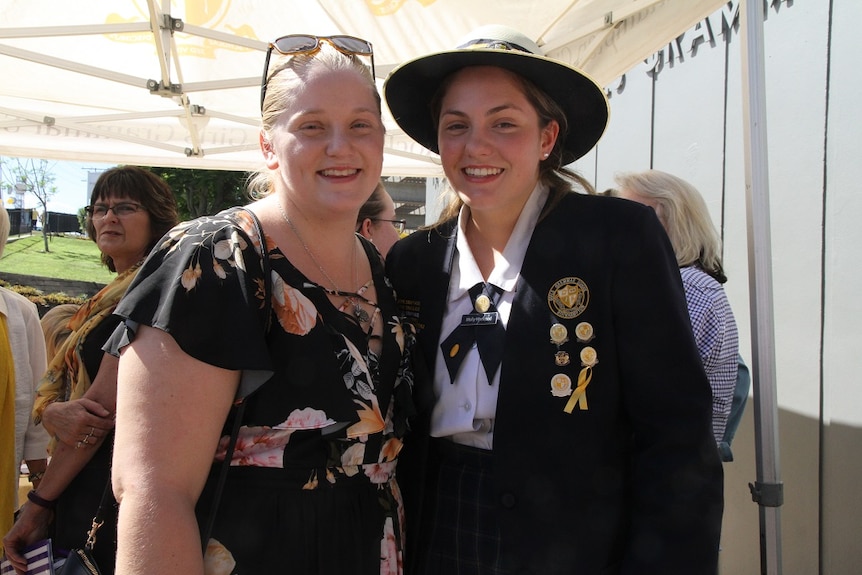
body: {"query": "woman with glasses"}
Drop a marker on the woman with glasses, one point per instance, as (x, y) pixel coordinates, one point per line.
(272, 324)
(130, 209)
(566, 425)
(377, 220)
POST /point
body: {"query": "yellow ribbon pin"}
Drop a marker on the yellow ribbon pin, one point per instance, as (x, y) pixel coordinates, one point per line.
(579, 396)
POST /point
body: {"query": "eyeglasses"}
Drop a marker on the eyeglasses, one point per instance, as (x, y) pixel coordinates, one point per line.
(120, 210)
(307, 44)
(400, 225)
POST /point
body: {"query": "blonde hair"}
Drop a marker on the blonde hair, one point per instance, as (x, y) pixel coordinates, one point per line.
(684, 215)
(55, 326)
(281, 87)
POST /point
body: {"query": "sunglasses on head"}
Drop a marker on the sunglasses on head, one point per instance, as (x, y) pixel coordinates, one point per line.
(307, 44)
(484, 44)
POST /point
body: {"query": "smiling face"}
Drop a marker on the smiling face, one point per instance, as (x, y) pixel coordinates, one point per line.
(491, 141)
(327, 145)
(124, 238)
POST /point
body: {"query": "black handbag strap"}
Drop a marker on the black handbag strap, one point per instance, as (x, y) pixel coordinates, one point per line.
(225, 466)
(222, 476)
(98, 519)
(108, 496)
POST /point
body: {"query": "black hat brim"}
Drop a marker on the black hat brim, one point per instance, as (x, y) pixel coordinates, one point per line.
(410, 88)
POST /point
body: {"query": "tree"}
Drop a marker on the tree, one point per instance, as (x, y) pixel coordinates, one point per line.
(204, 192)
(36, 177)
(82, 220)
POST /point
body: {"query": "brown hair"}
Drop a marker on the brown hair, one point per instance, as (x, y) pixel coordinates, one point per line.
(373, 206)
(560, 180)
(144, 187)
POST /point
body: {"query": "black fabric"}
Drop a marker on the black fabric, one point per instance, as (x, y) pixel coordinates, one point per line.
(270, 524)
(631, 485)
(92, 349)
(482, 326)
(174, 292)
(465, 537)
(79, 502)
(77, 506)
(81, 562)
(311, 488)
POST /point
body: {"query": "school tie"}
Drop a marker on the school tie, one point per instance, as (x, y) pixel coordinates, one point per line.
(483, 326)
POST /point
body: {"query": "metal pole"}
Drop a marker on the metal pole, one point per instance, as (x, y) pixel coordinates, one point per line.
(767, 491)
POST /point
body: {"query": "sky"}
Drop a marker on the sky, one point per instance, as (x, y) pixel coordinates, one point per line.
(70, 178)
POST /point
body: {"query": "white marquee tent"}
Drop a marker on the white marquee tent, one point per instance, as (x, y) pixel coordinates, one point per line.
(164, 83)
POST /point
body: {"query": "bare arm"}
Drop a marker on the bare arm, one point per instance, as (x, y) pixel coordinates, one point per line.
(170, 412)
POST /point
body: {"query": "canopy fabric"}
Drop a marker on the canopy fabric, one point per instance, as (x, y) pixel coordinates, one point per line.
(176, 83)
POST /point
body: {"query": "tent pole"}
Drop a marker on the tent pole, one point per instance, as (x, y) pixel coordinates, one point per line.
(767, 491)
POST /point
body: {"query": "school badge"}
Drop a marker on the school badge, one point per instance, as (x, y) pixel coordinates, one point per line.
(568, 297)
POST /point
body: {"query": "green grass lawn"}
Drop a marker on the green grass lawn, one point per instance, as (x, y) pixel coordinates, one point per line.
(69, 258)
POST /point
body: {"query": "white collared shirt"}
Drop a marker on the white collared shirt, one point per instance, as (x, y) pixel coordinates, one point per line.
(465, 410)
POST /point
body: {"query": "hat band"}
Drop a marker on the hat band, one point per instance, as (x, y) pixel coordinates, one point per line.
(485, 43)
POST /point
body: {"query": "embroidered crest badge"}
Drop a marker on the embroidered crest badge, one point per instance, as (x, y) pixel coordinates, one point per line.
(568, 297)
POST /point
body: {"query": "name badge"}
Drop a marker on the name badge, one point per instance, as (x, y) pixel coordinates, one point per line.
(487, 318)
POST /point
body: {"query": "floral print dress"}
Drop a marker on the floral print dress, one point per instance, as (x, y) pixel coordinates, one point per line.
(312, 485)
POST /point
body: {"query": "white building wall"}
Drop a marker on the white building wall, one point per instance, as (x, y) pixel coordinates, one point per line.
(842, 398)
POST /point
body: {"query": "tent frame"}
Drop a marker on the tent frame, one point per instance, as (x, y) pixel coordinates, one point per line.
(767, 491)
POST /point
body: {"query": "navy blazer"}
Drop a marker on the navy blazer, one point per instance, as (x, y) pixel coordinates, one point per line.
(632, 483)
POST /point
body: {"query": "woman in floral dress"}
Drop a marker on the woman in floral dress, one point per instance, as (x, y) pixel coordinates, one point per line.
(300, 325)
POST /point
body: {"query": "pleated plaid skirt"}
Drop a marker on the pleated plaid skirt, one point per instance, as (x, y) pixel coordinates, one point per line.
(465, 538)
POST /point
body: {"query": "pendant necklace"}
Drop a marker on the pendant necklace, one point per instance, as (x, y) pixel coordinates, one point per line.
(358, 312)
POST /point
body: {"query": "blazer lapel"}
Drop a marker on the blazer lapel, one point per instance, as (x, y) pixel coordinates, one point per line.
(436, 288)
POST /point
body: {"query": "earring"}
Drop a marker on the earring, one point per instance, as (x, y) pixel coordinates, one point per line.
(545, 156)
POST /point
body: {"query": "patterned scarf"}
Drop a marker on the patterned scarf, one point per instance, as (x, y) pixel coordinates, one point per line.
(66, 377)
(8, 467)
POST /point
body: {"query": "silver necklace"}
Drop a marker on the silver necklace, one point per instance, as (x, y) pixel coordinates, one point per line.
(358, 312)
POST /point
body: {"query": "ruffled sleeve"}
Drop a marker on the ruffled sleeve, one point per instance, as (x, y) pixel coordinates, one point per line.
(204, 285)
